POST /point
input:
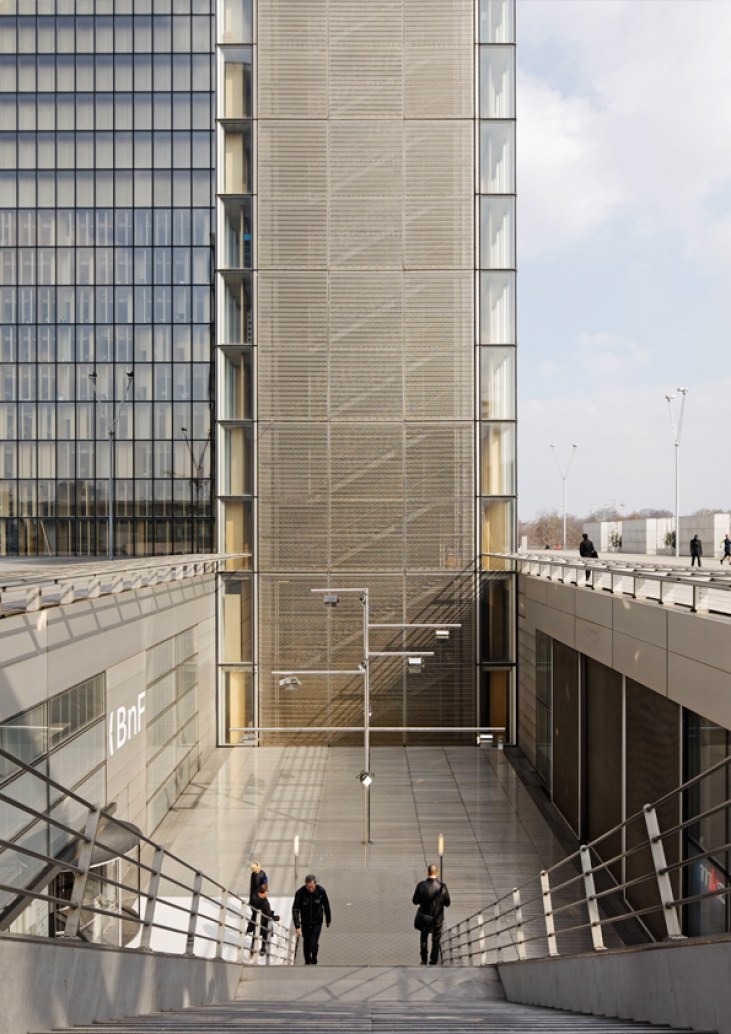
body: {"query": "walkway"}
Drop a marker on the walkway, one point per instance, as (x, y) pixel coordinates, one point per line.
(249, 803)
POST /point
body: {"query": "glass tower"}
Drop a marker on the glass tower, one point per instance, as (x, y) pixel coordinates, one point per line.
(106, 223)
(301, 213)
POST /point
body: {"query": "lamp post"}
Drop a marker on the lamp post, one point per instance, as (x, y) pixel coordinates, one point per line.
(415, 659)
(111, 427)
(677, 432)
(440, 848)
(564, 474)
(196, 476)
(296, 851)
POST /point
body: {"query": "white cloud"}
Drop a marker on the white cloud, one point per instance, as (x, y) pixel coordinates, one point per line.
(623, 107)
(610, 355)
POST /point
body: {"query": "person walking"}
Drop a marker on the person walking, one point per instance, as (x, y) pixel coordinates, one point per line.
(432, 897)
(726, 549)
(587, 551)
(257, 880)
(696, 550)
(310, 907)
(260, 904)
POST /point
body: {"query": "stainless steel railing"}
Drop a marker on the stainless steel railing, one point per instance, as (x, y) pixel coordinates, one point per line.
(637, 879)
(23, 593)
(701, 590)
(105, 882)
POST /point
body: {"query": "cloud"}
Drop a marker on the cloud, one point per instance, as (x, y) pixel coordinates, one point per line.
(610, 355)
(624, 108)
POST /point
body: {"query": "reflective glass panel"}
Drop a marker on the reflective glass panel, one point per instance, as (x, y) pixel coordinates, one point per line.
(497, 21)
(497, 308)
(497, 383)
(497, 157)
(497, 233)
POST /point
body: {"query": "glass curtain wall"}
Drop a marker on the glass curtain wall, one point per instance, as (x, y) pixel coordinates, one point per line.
(106, 203)
(495, 261)
(235, 339)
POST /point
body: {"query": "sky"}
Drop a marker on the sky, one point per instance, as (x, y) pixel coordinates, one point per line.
(624, 252)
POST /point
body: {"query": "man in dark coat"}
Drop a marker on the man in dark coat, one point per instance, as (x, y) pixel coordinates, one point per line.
(260, 903)
(432, 897)
(310, 907)
(587, 551)
(696, 550)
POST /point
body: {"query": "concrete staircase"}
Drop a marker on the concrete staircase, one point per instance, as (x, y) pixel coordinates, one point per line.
(369, 1000)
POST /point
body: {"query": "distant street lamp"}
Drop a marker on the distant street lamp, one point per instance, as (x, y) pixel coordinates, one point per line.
(196, 479)
(564, 474)
(111, 427)
(677, 432)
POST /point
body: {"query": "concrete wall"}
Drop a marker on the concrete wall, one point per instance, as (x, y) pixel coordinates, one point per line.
(601, 533)
(647, 535)
(710, 528)
(682, 984)
(683, 656)
(47, 651)
(61, 983)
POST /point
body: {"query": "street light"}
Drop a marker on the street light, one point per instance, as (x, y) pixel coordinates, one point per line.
(564, 474)
(111, 427)
(677, 431)
(415, 661)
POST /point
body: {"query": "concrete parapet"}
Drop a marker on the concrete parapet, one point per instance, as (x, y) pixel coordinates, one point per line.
(56, 983)
(681, 983)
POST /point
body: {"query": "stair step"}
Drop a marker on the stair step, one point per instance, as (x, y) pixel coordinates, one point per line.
(371, 1000)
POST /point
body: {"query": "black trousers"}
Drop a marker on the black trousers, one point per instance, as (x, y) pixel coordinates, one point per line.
(693, 558)
(311, 942)
(436, 935)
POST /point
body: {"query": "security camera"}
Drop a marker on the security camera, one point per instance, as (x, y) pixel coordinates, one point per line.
(330, 599)
(366, 778)
(290, 682)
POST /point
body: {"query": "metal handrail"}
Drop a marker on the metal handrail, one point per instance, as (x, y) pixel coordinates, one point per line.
(698, 590)
(28, 593)
(148, 896)
(501, 929)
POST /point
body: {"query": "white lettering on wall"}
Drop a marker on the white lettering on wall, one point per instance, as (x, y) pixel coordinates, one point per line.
(124, 723)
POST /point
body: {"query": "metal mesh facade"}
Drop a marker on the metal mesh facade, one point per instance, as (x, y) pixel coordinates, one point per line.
(366, 359)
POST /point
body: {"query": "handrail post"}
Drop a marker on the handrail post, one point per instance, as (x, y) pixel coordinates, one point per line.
(591, 902)
(222, 913)
(496, 917)
(548, 915)
(193, 916)
(78, 891)
(241, 947)
(483, 949)
(520, 937)
(152, 891)
(664, 885)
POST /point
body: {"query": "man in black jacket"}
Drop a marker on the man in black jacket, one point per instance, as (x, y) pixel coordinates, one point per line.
(310, 906)
(432, 897)
(696, 550)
